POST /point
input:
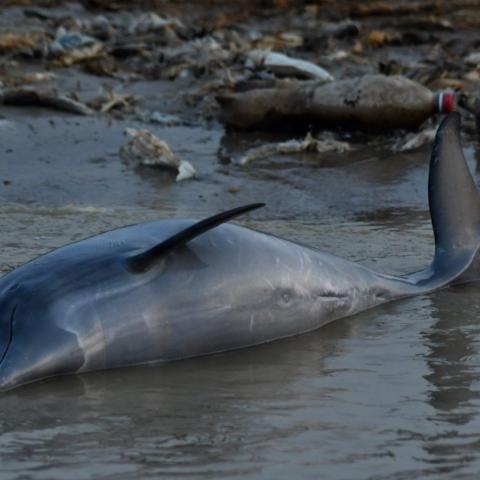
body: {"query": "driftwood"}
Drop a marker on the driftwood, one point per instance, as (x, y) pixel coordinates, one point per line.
(27, 96)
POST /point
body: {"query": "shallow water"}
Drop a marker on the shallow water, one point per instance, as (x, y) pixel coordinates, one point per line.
(392, 393)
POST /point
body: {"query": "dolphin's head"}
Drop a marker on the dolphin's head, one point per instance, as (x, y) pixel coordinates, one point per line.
(31, 350)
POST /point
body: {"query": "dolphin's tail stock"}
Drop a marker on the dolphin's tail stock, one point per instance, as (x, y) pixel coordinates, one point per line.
(455, 211)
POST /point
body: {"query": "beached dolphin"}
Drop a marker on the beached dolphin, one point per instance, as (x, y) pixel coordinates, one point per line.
(174, 289)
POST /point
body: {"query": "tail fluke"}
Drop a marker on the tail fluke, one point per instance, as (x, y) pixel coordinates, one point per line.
(453, 196)
(455, 211)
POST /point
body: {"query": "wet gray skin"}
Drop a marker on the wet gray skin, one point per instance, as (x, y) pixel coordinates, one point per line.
(80, 308)
(87, 307)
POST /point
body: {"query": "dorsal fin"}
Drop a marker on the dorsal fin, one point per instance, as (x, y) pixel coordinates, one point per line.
(144, 261)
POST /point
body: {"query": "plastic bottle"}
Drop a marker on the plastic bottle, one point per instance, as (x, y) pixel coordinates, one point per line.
(371, 102)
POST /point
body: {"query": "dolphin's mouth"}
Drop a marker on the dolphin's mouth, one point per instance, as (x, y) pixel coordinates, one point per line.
(6, 336)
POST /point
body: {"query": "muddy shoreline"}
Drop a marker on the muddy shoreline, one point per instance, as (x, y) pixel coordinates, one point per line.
(388, 394)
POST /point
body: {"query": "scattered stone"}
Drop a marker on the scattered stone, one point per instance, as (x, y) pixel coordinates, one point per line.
(472, 59)
(144, 148)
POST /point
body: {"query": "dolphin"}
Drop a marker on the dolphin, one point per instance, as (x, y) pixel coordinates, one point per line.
(174, 289)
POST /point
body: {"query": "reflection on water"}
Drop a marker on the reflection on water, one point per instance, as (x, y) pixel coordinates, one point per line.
(454, 394)
(388, 394)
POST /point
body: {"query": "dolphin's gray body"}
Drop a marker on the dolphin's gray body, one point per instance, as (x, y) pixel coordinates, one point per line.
(175, 289)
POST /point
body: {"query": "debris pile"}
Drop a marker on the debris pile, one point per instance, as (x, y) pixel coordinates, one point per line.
(276, 64)
(218, 49)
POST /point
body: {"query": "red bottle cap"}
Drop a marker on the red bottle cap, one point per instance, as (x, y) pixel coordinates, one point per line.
(446, 101)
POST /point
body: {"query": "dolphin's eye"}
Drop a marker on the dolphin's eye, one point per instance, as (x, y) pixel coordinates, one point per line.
(285, 297)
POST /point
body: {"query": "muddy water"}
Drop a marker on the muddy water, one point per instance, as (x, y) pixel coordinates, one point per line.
(392, 393)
